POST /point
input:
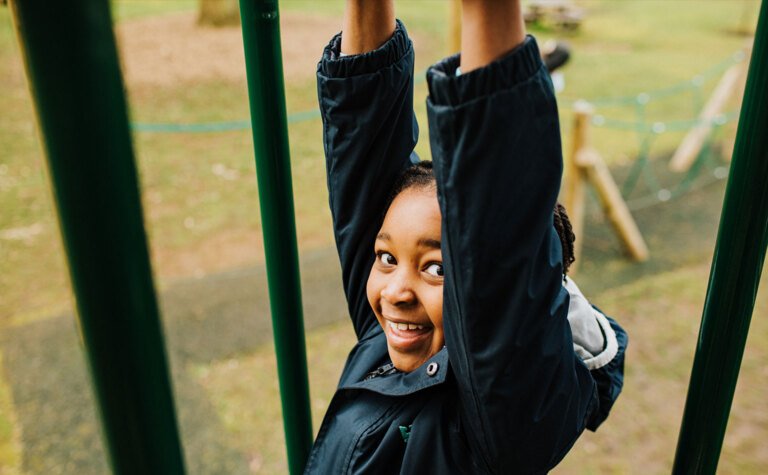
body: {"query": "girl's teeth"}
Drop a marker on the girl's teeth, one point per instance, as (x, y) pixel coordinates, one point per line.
(405, 326)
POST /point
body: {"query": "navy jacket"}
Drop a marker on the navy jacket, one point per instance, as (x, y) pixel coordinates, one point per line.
(507, 394)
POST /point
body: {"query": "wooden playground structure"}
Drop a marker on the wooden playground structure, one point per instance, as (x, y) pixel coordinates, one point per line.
(584, 165)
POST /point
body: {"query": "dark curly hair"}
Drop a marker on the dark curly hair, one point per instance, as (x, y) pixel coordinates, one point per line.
(421, 176)
(567, 238)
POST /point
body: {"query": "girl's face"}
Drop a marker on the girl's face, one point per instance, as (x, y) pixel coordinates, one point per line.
(405, 287)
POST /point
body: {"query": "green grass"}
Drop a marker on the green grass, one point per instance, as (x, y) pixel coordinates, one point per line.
(10, 445)
(233, 385)
(662, 317)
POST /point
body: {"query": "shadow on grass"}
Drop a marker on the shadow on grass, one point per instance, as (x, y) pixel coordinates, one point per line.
(226, 315)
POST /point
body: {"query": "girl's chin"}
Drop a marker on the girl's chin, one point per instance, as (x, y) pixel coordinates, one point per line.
(409, 349)
(407, 362)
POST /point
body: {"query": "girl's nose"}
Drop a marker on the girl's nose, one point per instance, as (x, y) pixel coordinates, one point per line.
(398, 289)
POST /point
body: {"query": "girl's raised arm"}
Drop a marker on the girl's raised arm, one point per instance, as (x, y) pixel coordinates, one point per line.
(367, 25)
(365, 90)
(489, 30)
(495, 140)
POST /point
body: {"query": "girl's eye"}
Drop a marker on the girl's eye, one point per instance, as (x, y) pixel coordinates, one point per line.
(386, 258)
(435, 270)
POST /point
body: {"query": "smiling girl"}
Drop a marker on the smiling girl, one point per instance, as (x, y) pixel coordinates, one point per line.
(474, 354)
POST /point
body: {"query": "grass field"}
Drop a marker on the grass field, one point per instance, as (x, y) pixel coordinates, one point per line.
(201, 208)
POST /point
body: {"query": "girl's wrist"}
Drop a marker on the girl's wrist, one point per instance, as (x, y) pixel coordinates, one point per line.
(368, 24)
(490, 30)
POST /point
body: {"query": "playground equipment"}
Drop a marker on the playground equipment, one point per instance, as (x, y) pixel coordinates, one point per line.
(734, 278)
(78, 94)
(585, 165)
(81, 110)
(693, 142)
(263, 61)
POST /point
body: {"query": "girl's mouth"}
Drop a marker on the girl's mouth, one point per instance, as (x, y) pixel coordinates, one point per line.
(406, 336)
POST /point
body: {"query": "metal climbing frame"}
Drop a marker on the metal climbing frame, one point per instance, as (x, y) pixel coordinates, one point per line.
(261, 36)
(71, 60)
(734, 278)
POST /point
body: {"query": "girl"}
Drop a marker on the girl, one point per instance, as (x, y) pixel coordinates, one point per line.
(465, 360)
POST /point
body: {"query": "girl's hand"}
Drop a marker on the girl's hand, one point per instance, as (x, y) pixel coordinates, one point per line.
(368, 24)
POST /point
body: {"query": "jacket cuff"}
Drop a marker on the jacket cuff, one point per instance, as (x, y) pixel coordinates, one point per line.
(332, 64)
(447, 89)
(611, 345)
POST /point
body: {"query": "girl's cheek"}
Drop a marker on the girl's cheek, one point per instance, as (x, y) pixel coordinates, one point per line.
(373, 288)
(436, 307)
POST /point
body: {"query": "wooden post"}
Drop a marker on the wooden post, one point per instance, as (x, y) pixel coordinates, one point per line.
(613, 204)
(584, 165)
(575, 177)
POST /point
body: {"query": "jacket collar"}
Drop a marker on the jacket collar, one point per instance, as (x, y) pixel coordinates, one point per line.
(431, 373)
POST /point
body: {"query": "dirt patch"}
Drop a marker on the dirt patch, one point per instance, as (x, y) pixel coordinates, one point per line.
(227, 249)
(172, 49)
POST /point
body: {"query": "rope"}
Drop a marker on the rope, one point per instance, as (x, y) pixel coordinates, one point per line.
(695, 83)
(659, 127)
(205, 127)
(641, 100)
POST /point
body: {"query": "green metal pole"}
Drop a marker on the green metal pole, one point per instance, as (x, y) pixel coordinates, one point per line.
(261, 36)
(734, 278)
(72, 64)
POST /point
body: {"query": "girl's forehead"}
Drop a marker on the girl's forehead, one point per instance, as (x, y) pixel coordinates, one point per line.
(413, 215)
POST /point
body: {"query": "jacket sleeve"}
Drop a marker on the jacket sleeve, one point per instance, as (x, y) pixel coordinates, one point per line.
(369, 132)
(609, 377)
(600, 343)
(495, 139)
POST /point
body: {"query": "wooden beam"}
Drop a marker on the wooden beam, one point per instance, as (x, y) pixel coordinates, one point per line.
(574, 187)
(727, 148)
(693, 142)
(613, 203)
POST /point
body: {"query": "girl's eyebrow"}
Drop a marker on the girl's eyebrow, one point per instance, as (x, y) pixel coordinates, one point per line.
(423, 242)
(431, 243)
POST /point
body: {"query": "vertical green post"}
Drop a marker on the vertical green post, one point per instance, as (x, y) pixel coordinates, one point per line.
(261, 36)
(72, 65)
(734, 278)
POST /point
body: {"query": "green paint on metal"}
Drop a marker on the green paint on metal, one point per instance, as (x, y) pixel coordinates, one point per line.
(405, 432)
(734, 278)
(71, 60)
(266, 91)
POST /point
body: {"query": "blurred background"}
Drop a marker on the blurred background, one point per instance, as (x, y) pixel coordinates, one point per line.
(653, 71)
